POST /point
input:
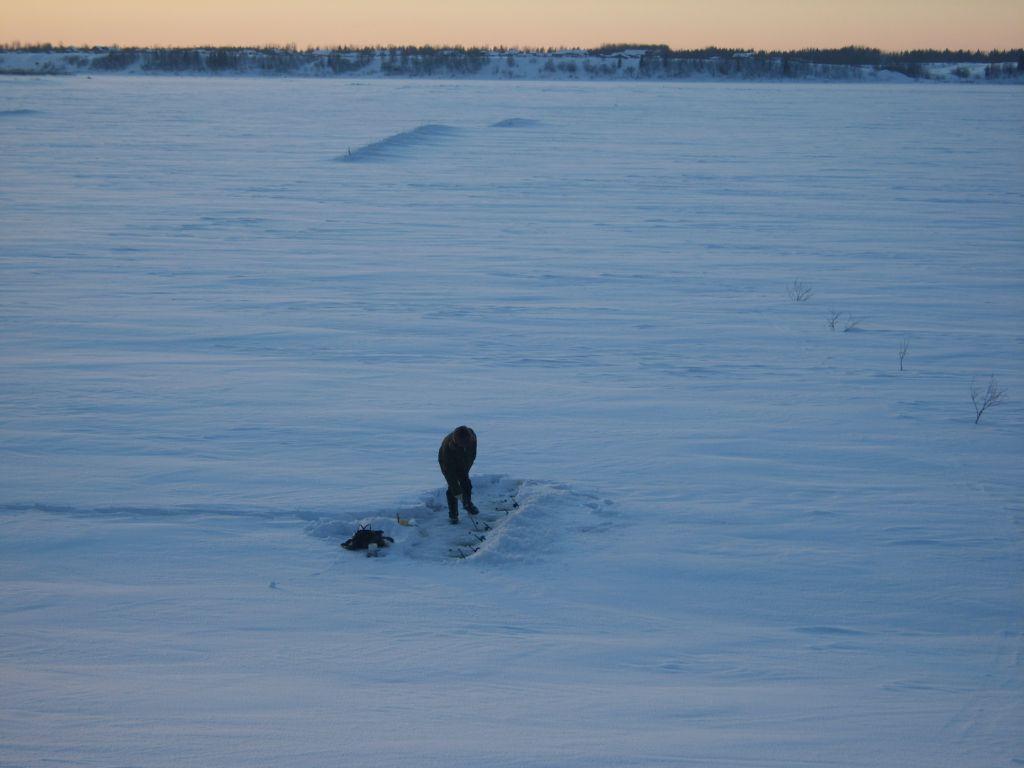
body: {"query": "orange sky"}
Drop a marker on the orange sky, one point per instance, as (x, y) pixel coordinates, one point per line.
(888, 24)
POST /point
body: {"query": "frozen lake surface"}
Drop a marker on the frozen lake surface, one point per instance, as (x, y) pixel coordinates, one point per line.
(238, 316)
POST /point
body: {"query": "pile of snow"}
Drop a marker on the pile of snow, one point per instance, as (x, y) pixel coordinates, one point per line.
(399, 144)
(516, 122)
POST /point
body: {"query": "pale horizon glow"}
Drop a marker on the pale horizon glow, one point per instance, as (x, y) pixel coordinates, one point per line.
(757, 24)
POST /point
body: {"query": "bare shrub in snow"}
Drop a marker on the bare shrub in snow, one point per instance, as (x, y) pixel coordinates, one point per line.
(799, 291)
(833, 318)
(904, 347)
(992, 396)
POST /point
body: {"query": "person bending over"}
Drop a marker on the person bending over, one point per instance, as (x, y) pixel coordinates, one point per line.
(456, 456)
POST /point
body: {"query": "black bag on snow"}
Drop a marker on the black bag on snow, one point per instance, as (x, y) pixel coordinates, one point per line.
(364, 537)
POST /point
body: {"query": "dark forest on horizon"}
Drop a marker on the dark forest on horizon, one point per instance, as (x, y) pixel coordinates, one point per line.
(622, 60)
(850, 55)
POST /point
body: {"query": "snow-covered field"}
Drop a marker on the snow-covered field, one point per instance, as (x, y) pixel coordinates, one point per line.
(239, 315)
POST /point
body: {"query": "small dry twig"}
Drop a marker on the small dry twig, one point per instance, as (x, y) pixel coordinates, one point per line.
(904, 347)
(799, 291)
(994, 395)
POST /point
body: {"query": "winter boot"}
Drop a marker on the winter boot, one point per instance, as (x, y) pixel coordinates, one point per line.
(468, 505)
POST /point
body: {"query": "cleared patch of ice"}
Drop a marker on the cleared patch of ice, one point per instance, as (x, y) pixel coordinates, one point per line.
(519, 521)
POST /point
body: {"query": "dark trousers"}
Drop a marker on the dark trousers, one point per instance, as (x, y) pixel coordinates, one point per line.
(456, 488)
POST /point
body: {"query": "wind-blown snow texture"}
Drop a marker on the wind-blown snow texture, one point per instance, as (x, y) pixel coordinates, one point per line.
(739, 537)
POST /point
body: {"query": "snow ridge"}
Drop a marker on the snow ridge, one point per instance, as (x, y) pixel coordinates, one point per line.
(399, 145)
(516, 122)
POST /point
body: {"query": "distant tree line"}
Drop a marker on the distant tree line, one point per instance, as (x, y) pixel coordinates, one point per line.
(661, 65)
(1002, 71)
(660, 60)
(615, 60)
(861, 56)
(394, 60)
(850, 55)
(427, 60)
(231, 59)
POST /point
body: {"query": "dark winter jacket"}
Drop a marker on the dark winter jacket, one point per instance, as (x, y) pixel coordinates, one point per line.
(456, 462)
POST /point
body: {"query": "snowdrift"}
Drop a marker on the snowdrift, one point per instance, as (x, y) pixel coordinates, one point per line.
(399, 145)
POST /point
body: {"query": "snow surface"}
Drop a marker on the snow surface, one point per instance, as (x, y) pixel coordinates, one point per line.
(739, 537)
